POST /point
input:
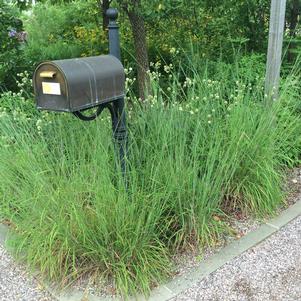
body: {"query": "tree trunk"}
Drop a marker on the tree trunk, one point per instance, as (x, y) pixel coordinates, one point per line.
(293, 21)
(139, 35)
(104, 5)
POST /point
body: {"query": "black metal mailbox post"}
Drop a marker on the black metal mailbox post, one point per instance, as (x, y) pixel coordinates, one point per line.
(76, 85)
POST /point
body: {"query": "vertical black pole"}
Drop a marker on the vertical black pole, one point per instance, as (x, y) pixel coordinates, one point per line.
(119, 124)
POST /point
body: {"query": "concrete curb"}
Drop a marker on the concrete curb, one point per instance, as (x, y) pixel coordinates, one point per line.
(184, 282)
(3, 233)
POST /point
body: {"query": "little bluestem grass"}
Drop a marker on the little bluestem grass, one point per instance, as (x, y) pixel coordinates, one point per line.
(197, 150)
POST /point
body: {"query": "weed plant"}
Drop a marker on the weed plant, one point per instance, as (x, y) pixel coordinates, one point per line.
(197, 149)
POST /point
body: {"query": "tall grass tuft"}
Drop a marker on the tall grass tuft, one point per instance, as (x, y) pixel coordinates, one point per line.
(196, 149)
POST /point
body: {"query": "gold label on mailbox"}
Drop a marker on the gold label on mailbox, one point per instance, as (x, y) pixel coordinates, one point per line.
(51, 88)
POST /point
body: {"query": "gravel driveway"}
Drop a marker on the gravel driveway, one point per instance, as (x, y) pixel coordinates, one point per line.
(271, 271)
(16, 284)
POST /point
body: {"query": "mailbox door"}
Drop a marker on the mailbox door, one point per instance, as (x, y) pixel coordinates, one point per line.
(51, 88)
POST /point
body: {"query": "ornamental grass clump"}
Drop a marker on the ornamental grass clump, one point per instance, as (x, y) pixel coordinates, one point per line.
(199, 150)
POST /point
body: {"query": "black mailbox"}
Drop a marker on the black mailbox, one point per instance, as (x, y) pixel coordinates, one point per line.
(76, 84)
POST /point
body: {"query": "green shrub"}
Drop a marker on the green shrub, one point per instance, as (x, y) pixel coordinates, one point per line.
(11, 55)
(64, 30)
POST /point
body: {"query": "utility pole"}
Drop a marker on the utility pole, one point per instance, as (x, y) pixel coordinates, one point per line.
(277, 19)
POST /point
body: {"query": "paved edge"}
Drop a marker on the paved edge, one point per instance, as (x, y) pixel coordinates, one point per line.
(184, 282)
(3, 234)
